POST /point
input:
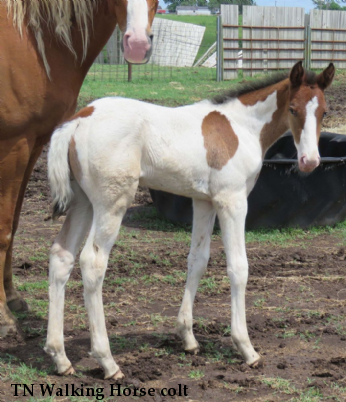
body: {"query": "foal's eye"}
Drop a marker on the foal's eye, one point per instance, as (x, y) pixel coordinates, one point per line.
(292, 111)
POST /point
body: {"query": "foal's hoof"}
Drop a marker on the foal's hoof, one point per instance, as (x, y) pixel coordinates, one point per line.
(69, 371)
(18, 305)
(116, 377)
(193, 351)
(259, 363)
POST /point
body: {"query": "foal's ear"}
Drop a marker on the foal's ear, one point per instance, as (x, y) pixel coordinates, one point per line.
(297, 74)
(326, 77)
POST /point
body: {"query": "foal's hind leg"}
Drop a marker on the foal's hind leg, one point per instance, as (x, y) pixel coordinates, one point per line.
(203, 224)
(62, 258)
(94, 259)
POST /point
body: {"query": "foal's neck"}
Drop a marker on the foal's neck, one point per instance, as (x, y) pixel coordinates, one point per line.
(263, 98)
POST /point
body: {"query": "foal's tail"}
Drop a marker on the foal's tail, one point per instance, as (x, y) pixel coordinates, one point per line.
(59, 169)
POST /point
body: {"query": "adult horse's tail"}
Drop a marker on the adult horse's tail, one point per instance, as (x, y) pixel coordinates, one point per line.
(59, 168)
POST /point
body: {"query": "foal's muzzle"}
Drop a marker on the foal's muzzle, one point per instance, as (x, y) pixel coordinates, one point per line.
(308, 165)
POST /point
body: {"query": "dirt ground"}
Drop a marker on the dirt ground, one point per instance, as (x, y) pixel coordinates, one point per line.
(296, 311)
(335, 120)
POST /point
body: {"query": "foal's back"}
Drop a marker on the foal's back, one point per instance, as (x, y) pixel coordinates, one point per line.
(162, 148)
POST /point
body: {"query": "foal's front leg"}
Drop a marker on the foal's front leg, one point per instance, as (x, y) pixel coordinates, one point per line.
(203, 224)
(232, 211)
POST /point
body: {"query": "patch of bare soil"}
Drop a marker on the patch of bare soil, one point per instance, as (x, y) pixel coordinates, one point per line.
(336, 102)
(295, 311)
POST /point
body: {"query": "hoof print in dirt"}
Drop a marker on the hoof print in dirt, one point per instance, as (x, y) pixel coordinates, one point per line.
(282, 366)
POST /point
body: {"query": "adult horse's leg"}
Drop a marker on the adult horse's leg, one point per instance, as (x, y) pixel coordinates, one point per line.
(231, 211)
(62, 258)
(14, 300)
(14, 158)
(94, 259)
(203, 224)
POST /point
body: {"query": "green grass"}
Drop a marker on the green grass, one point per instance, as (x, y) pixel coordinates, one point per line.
(288, 235)
(167, 86)
(280, 384)
(17, 372)
(32, 287)
(150, 219)
(196, 374)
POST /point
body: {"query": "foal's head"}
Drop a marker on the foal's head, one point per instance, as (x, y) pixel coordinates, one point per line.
(307, 108)
(134, 18)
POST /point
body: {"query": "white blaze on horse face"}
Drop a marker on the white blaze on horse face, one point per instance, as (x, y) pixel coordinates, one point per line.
(308, 154)
(136, 42)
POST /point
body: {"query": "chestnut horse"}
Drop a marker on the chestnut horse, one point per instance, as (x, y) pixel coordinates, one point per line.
(46, 50)
(211, 151)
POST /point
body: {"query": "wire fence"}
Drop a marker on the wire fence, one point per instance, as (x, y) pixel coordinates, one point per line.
(178, 48)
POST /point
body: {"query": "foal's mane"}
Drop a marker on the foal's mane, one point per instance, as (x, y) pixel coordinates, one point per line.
(252, 86)
(57, 14)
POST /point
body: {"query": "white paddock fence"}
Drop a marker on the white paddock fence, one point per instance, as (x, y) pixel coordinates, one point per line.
(274, 38)
(269, 39)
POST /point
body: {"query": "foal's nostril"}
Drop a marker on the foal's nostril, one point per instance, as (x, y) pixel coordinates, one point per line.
(303, 160)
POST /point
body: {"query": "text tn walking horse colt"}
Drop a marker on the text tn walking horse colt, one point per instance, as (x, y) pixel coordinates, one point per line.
(47, 48)
(211, 151)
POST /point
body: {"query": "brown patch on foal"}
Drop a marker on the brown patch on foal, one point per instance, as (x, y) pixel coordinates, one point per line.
(85, 112)
(252, 98)
(220, 140)
(279, 123)
(74, 161)
(260, 95)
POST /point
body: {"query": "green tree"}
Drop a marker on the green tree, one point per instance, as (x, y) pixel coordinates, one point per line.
(329, 4)
(173, 4)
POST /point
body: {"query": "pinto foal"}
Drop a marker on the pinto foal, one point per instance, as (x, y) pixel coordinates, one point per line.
(211, 151)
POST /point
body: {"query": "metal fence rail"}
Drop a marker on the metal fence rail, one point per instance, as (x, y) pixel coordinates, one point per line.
(327, 41)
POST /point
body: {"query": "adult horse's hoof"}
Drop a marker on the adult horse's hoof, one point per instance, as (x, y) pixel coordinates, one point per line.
(7, 322)
(18, 305)
(116, 377)
(7, 330)
(69, 371)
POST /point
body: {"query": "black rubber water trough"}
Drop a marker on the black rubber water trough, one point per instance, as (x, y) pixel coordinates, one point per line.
(283, 196)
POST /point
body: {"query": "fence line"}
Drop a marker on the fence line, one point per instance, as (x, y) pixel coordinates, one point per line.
(273, 38)
(270, 38)
(328, 38)
(230, 40)
(177, 47)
